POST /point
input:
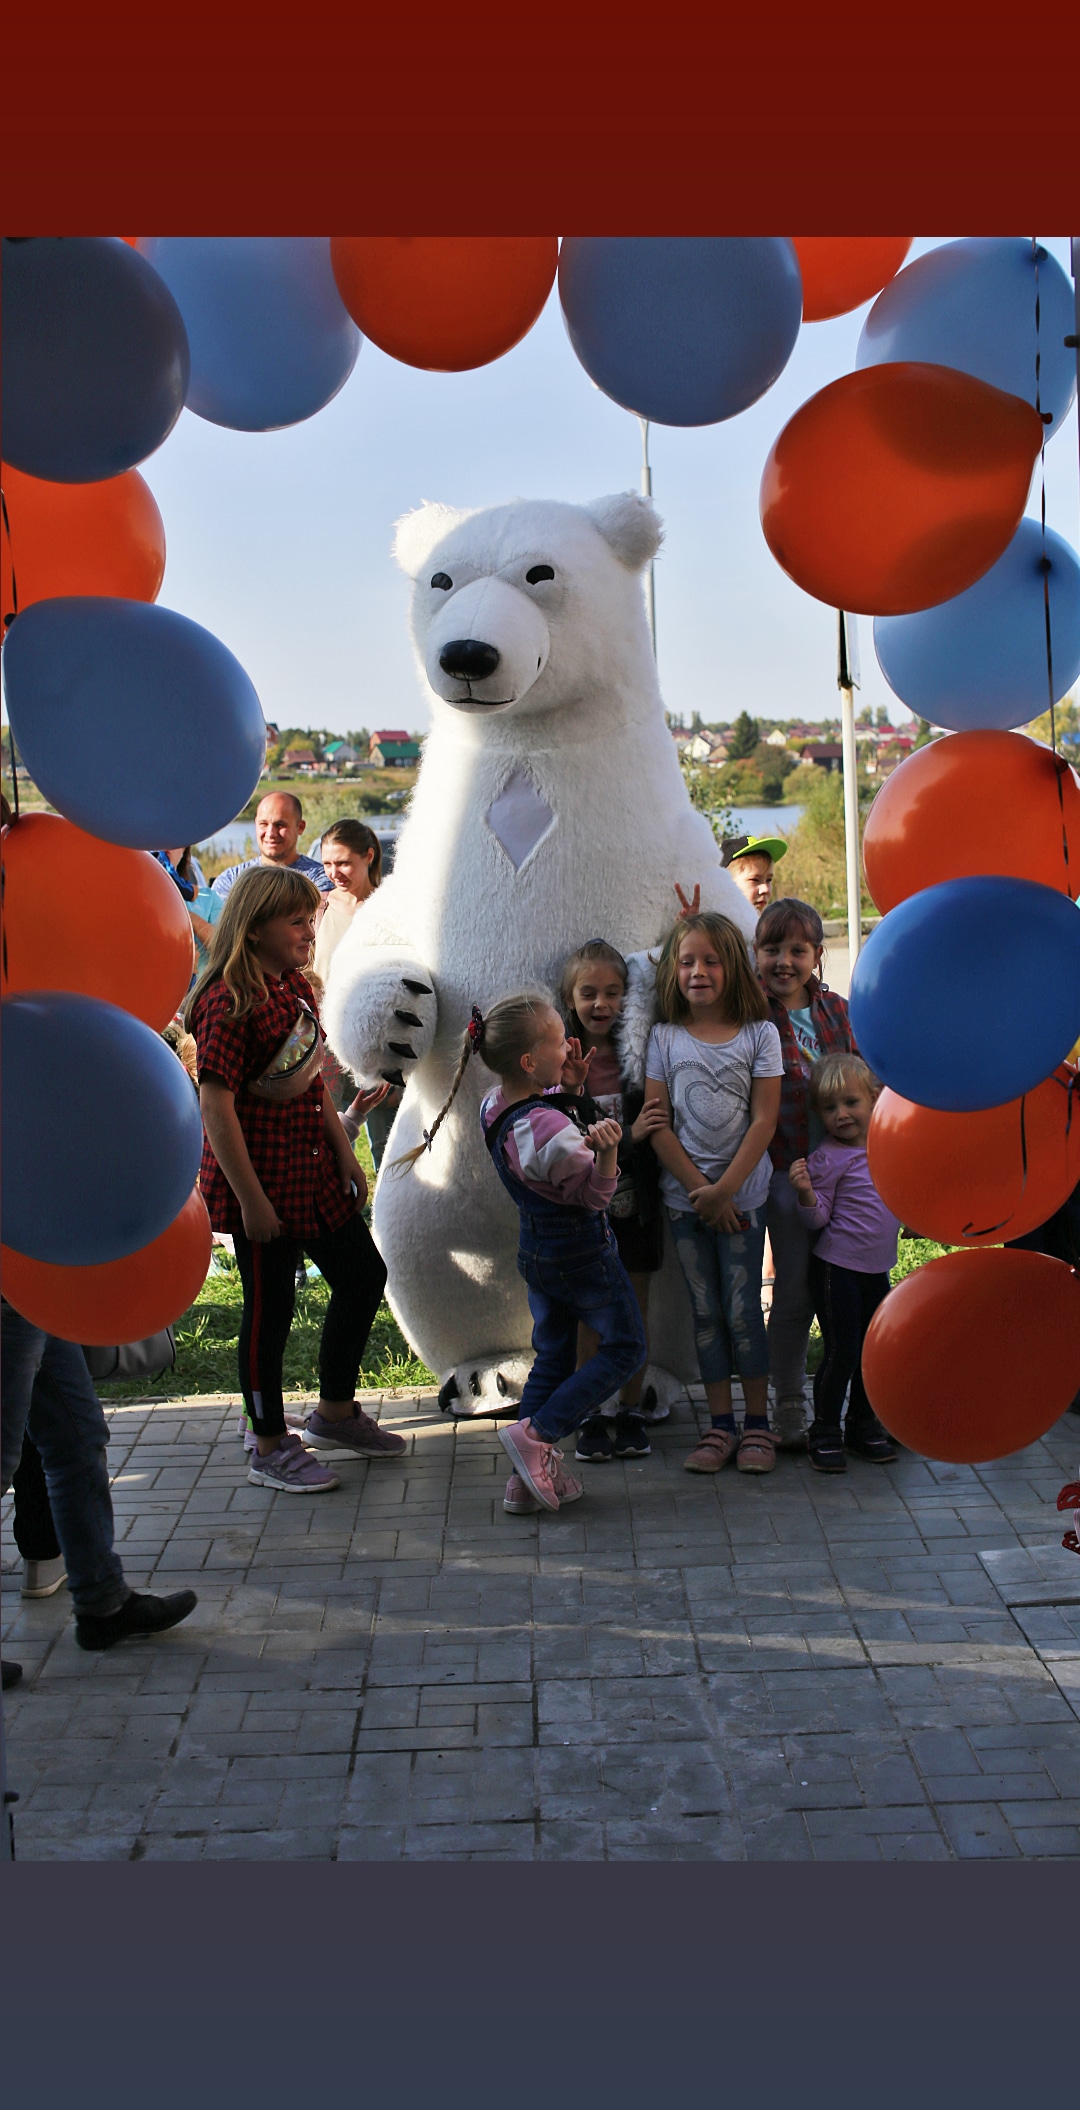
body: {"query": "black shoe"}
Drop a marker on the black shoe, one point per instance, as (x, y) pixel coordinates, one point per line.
(869, 1440)
(12, 1673)
(594, 1440)
(630, 1438)
(142, 1614)
(826, 1448)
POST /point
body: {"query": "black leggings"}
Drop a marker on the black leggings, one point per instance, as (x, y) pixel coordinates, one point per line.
(350, 1261)
(845, 1302)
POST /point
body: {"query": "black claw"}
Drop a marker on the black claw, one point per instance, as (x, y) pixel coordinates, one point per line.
(501, 1385)
(474, 1384)
(409, 1018)
(392, 1077)
(401, 1047)
(416, 988)
(448, 1394)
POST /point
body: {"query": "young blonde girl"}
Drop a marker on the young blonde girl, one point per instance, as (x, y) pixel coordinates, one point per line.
(593, 990)
(278, 1173)
(561, 1173)
(714, 1067)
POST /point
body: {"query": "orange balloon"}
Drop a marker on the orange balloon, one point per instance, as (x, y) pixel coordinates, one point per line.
(106, 538)
(975, 1355)
(91, 918)
(977, 1179)
(974, 803)
(118, 1300)
(444, 302)
(840, 271)
(890, 497)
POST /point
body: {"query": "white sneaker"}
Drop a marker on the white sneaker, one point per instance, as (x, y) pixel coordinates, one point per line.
(43, 1578)
(789, 1423)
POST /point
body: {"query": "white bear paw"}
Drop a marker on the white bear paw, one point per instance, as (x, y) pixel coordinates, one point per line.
(381, 1013)
(486, 1384)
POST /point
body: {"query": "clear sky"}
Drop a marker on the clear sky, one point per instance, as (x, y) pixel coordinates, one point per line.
(280, 542)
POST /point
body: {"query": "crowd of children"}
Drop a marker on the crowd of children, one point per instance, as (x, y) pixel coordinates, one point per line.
(748, 1123)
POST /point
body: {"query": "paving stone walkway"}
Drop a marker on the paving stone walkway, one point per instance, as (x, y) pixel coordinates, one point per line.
(885, 1666)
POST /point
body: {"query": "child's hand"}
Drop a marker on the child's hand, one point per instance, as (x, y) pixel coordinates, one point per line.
(651, 1117)
(802, 1183)
(576, 1067)
(367, 1100)
(604, 1135)
(717, 1209)
(688, 908)
(261, 1220)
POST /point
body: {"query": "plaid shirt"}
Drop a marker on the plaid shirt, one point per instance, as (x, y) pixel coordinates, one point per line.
(287, 1145)
(829, 1016)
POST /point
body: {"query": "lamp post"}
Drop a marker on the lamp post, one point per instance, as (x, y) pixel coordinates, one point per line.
(646, 492)
(847, 679)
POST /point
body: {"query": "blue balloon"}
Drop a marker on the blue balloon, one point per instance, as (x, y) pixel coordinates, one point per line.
(101, 1136)
(980, 659)
(95, 357)
(271, 340)
(968, 994)
(134, 722)
(685, 330)
(971, 305)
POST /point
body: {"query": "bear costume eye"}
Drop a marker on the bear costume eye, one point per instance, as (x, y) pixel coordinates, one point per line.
(443, 581)
(537, 573)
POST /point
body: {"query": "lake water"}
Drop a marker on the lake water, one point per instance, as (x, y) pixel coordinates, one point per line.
(765, 820)
(746, 820)
(238, 839)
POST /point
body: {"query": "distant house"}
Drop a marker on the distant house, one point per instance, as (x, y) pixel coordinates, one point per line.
(299, 758)
(394, 750)
(824, 754)
(339, 753)
(776, 739)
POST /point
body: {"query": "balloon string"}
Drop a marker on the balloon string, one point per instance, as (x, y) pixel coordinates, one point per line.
(987, 1230)
(8, 620)
(1045, 567)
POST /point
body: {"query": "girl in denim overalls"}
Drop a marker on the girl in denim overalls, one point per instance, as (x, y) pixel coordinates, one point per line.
(561, 1176)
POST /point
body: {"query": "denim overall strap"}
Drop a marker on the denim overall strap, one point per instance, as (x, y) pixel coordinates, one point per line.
(528, 1201)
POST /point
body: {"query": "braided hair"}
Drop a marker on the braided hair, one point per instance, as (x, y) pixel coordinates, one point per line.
(510, 1030)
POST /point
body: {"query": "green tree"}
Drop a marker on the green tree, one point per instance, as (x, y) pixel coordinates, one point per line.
(814, 869)
(1066, 726)
(744, 738)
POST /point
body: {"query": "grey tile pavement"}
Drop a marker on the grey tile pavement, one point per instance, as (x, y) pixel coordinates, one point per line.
(885, 1667)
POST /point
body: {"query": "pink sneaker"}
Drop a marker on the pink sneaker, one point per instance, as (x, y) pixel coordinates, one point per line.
(291, 1470)
(536, 1461)
(517, 1499)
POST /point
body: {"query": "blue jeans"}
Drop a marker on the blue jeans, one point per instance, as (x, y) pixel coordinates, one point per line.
(723, 1276)
(47, 1389)
(573, 1275)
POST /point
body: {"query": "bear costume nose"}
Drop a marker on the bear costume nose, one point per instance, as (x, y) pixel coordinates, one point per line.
(468, 659)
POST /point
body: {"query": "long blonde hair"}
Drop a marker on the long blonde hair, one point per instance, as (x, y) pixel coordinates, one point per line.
(511, 1029)
(256, 898)
(743, 998)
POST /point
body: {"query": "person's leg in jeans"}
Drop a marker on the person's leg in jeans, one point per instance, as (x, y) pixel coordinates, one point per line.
(792, 1308)
(557, 1397)
(32, 1521)
(723, 1276)
(268, 1274)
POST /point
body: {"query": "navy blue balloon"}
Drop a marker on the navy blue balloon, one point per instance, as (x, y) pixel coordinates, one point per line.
(686, 329)
(980, 659)
(101, 1136)
(271, 339)
(968, 994)
(971, 305)
(134, 722)
(95, 357)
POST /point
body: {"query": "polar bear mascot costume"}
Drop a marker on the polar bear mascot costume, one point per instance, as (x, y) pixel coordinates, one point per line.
(549, 809)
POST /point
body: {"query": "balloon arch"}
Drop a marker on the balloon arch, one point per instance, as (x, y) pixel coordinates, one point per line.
(898, 491)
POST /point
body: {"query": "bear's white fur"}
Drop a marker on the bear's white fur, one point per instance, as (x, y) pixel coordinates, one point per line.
(549, 809)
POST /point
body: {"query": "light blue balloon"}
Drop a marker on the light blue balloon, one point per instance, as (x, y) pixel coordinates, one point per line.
(134, 722)
(101, 1131)
(271, 340)
(980, 659)
(971, 304)
(681, 329)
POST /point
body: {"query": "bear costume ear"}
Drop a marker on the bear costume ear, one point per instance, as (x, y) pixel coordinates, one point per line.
(417, 534)
(630, 525)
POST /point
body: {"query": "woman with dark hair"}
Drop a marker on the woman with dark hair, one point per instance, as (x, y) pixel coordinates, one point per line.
(352, 859)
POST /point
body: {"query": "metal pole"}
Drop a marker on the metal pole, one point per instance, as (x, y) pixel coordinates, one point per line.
(646, 492)
(847, 675)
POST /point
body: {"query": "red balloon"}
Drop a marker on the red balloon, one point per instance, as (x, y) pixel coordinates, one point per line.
(840, 271)
(118, 1300)
(976, 1179)
(887, 498)
(444, 302)
(981, 802)
(975, 1355)
(106, 538)
(91, 918)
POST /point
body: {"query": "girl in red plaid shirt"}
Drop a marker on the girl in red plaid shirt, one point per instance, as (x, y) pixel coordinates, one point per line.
(811, 1022)
(278, 1173)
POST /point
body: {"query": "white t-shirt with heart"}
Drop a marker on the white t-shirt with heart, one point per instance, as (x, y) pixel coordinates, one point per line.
(709, 1085)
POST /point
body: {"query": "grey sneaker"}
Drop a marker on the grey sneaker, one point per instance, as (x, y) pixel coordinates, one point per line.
(359, 1438)
(297, 1423)
(789, 1423)
(43, 1578)
(291, 1470)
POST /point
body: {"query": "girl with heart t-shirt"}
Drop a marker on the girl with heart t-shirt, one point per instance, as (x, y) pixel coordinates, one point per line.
(714, 1066)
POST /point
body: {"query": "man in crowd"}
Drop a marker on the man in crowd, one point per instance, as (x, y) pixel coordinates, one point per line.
(279, 824)
(750, 860)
